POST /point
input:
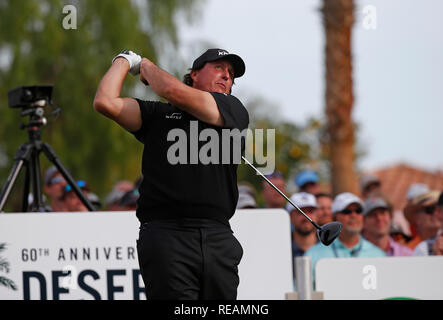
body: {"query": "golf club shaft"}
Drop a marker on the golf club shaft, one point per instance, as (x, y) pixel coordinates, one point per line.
(289, 200)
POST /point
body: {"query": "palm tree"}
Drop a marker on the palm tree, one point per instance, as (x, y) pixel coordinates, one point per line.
(4, 267)
(338, 18)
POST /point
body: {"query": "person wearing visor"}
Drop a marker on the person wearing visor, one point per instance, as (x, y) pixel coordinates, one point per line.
(347, 208)
(186, 247)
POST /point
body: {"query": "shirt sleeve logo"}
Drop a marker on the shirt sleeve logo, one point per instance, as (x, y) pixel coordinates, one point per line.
(175, 115)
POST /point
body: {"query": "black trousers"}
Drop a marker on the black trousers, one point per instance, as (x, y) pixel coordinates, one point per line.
(189, 259)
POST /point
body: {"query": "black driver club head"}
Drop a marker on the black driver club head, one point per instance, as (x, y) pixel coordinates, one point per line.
(328, 232)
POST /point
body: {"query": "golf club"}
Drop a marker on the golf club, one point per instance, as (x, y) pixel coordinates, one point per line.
(326, 233)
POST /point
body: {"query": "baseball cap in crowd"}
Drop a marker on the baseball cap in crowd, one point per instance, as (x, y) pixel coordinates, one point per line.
(114, 197)
(427, 199)
(375, 203)
(367, 180)
(130, 198)
(95, 200)
(216, 54)
(50, 172)
(304, 177)
(245, 200)
(416, 189)
(246, 188)
(302, 200)
(343, 200)
(275, 174)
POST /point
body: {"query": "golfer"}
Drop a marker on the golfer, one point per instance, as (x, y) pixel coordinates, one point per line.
(186, 247)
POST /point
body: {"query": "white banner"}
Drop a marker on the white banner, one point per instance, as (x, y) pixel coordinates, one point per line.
(93, 255)
(380, 278)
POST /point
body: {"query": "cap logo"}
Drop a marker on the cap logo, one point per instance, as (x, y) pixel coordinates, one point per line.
(223, 53)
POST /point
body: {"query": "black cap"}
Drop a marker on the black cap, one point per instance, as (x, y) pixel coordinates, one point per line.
(216, 54)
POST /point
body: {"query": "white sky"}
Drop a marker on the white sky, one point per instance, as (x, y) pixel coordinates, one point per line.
(398, 68)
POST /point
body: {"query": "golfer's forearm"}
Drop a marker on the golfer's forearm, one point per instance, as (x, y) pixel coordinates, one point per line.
(110, 86)
(163, 83)
(196, 102)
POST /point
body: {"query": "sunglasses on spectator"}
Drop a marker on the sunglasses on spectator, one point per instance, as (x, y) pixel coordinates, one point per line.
(429, 209)
(80, 184)
(55, 180)
(349, 211)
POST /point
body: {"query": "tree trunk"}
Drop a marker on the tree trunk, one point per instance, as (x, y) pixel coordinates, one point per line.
(338, 18)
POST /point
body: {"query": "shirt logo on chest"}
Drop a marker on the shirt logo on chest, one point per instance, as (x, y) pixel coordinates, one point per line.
(175, 115)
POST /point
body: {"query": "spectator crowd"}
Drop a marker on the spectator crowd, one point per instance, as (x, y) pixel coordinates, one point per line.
(370, 229)
(62, 198)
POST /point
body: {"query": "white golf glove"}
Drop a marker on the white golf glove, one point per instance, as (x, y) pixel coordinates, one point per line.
(133, 59)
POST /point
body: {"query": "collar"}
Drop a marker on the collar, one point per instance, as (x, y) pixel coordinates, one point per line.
(354, 251)
(340, 244)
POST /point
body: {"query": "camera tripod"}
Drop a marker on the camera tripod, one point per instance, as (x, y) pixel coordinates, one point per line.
(28, 156)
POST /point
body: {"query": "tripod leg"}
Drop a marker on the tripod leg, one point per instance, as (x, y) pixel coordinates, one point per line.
(25, 203)
(10, 183)
(37, 204)
(50, 154)
(23, 154)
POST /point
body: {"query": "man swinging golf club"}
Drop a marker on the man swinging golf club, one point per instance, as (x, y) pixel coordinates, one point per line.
(186, 247)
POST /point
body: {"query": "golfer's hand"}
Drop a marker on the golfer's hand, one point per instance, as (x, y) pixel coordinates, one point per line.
(437, 248)
(144, 65)
(133, 59)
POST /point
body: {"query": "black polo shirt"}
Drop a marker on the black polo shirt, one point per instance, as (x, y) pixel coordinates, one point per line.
(190, 189)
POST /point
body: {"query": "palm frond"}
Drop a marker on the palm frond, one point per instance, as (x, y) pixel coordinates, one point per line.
(4, 265)
(8, 283)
